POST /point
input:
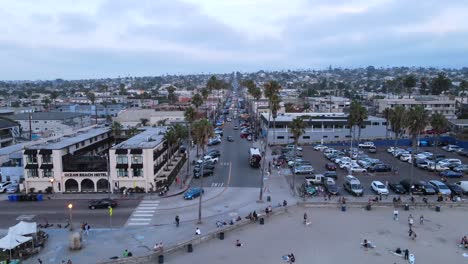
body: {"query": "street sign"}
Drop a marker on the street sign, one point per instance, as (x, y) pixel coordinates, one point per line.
(110, 211)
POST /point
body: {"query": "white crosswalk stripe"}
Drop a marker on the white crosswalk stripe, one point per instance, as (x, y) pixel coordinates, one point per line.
(143, 214)
(217, 184)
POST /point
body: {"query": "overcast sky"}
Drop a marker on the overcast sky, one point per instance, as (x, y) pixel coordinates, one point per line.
(48, 39)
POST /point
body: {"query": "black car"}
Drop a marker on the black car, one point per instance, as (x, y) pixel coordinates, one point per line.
(456, 189)
(331, 174)
(102, 204)
(397, 188)
(205, 173)
(331, 187)
(418, 187)
(206, 166)
(213, 153)
(380, 168)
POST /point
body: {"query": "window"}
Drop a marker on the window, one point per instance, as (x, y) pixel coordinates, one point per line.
(375, 123)
(306, 137)
(82, 143)
(47, 173)
(280, 137)
(122, 159)
(32, 173)
(347, 136)
(325, 136)
(137, 159)
(137, 173)
(291, 137)
(32, 159)
(77, 145)
(46, 159)
(337, 136)
(122, 173)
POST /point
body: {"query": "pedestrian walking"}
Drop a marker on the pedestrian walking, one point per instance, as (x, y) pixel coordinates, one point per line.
(177, 220)
(410, 220)
(421, 220)
(395, 214)
(197, 231)
(88, 227)
(406, 254)
(39, 260)
(69, 261)
(238, 243)
(305, 218)
(125, 253)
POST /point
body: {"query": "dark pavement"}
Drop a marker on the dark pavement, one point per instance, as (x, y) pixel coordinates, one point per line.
(57, 212)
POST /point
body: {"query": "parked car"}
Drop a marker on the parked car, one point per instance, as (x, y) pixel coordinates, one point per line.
(101, 204)
(405, 157)
(397, 188)
(193, 193)
(208, 158)
(372, 149)
(356, 168)
(451, 148)
(461, 168)
(418, 187)
(4, 185)
(450, 174)
(236, 127)
(213, 142)
(330, 166)
(456, 189)
(12, 188)
(379, 188)
(367, 144)
(353, 185)
(380, 168)
(291, 147)
(303, 169)
(463, 185)
(330, 186)
(249, 137)
(206, 166)
(320, 147)
(330, 174)
(440, 187)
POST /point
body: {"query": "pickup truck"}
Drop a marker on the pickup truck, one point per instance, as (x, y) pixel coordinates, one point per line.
(315, 179)
(366, 144)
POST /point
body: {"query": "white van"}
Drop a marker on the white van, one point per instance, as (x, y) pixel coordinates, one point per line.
(463, 185)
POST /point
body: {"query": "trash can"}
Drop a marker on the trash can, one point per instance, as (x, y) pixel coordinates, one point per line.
(262, 221)
(406, 207)
(268, 198)
(15, 197)
(189, 248)
(343, 208)
(221, 236)
(437, 208)
(368, 207)
(10, 198)
(39, 197)
(161, 259)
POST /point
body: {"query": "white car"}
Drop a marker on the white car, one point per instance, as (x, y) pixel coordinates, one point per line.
(405, 157)
(366, 144)
(357, 169)
(390, 149)
(208, 159)
(320, 147)
(291, 147)
(379, 187)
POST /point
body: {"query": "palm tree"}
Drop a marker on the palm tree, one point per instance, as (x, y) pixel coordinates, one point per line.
(398, 121)
(352, 120)
(202, 131)
(197, 100)
(205, 92)
(257, 94)
(387, 113)
(116, 128)
(54, 95)
(361, 116)
(171, 96)
(275, 106)
(189, 115)
(463, 89)
(409, 82)
(171, 137)
(144, 121)
(92, 97)
(416, 122)
(297, 129)
(271, 91)
(132, 131)
(438, 124)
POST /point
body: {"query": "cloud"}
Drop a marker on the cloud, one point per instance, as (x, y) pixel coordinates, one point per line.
(116, 37)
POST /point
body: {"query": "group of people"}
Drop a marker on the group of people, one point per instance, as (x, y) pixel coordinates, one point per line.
(290, 258)
(127, 253)
(268, 210)
(252, 216)
(158, 247)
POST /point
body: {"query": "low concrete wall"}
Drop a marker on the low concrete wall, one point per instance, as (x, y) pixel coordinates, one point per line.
(153, 257)
(385, 204)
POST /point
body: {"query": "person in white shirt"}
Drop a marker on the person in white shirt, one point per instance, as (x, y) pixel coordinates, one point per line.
(197, 231)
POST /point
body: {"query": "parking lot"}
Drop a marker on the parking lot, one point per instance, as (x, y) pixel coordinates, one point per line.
(401, 170)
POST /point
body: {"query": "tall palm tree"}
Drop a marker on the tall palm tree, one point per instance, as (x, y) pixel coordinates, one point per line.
(275, 106)
(171, 138)
(257, 94)
(297, 129)
(189, 115)
(398, 121)
(202, 131)
(205, 92)
(271, 90)
(387, 113)
(352, 120)
(416, 122)
(361, 116)
(92, 97)
(116, 129)
(438, 124)
(197, 100)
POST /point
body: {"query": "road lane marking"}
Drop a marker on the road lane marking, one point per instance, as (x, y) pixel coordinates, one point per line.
(141, 219)
(134, 224)
(145, 211)
(143, 215)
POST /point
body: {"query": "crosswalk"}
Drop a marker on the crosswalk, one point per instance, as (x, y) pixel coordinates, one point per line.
(217, 184)
(143, 214)
(224, 163)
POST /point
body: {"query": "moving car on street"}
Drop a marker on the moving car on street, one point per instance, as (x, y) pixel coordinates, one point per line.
(102, 204)
(193, 193)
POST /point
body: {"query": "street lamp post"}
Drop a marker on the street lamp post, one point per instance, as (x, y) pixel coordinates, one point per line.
(70, 207)
(51, 180)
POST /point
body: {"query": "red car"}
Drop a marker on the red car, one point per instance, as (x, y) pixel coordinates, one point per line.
(330, 166)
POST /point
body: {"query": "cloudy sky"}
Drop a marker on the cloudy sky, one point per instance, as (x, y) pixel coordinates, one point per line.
(47, 39)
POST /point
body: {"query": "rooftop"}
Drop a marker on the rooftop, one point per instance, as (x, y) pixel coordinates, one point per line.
(46, 116)
(288, 117)
(70, 140)
(150, 138)
(5, 123)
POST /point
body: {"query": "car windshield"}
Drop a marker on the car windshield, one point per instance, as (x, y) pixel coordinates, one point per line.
(380, 186)
(356, 186)
(442, 187)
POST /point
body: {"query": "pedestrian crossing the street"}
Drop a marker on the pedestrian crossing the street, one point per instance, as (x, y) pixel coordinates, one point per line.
(143, 214)
(217, 184)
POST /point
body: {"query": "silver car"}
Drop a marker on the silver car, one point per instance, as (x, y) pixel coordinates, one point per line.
(12, 188)
(440, 187)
